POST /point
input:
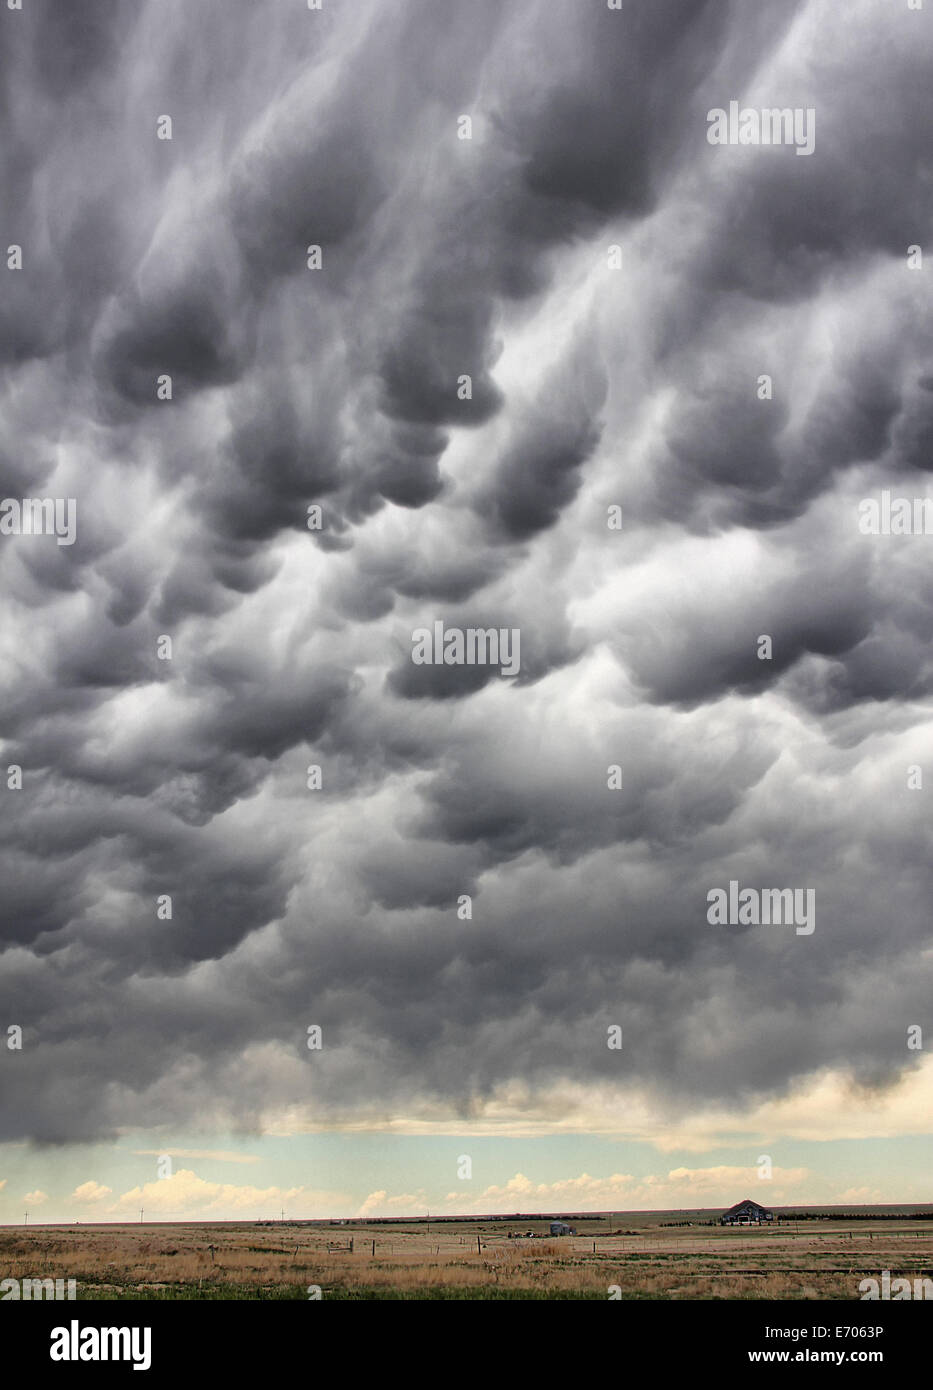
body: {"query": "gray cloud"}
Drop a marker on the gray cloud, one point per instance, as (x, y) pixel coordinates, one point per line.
(291, 647)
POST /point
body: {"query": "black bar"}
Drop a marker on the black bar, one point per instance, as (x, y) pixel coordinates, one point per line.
(285, 1338)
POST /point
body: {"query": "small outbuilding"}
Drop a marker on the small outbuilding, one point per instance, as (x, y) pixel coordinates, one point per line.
(560, 1228)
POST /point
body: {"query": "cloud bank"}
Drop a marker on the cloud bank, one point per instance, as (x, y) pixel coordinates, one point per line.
(592, 388)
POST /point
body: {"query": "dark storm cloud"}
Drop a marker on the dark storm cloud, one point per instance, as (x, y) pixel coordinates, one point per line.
(189, 334)
(540, 471)
(864, 194)
(71, 45)
(403, 463)
(714, 650)
(443, 259)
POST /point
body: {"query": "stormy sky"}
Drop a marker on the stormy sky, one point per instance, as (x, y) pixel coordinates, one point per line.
(615, 487)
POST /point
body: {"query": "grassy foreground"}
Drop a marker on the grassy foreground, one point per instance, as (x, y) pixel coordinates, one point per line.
(647, 1259)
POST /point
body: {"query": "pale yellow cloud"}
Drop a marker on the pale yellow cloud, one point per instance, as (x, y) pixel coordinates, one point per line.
(217, 1155)
(185, 1193)
(91, 1192)
(860, 1196)
(381, 1204)
(718, 1186)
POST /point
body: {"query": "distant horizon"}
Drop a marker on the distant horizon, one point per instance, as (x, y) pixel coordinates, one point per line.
(564, 1215)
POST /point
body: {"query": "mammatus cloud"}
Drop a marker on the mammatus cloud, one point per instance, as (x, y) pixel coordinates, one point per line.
(524, 382)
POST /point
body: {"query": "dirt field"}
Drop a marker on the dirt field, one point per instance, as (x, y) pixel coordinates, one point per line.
(425, 1260)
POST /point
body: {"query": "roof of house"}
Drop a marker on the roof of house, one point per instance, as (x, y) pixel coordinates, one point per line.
(743, 1205)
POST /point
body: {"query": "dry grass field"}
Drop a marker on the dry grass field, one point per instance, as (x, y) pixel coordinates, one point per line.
(646, 1258)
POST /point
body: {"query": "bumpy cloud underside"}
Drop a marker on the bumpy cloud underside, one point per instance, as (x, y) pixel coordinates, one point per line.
(600, 380)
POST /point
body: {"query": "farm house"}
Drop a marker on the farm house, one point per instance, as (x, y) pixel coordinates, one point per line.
(560, 1228)
(747, 1213)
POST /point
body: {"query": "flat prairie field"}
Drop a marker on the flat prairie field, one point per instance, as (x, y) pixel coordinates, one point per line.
(634, 1255)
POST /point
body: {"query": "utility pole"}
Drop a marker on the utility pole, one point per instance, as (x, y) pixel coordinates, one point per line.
(25, 1218)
